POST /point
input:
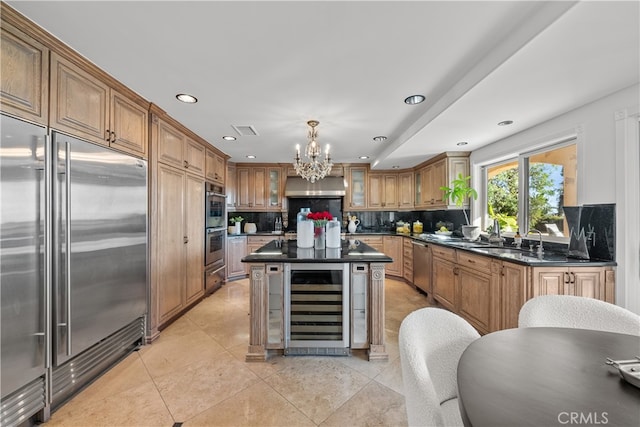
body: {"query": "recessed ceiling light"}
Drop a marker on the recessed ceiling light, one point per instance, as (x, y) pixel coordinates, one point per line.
(395, 167)
(462, 143)
(505, 123)
(413, 99)
(251, 156)
(186, 98)
(379, 138)
(229, 138)
(363, 157)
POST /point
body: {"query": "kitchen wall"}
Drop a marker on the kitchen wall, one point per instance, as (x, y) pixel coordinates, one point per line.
(594, 126)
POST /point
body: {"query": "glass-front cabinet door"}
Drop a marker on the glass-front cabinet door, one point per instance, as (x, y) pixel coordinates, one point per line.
(357, 188)
(275, 189)
(275, 286)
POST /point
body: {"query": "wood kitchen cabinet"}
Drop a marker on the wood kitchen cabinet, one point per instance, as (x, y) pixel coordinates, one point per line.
(178, 150)
(85, 106)
(392, 247)
(24, 76)
(215, 167)
(476, 295)
(383, 190)
(356, 194)
(591, 282)
(178, 248)
(436, 173)
(236, 250)
(405, 190)
(445, 289)
(376, 242)
(513, 285)
(231, 187)
(407, 259)
(259, 188)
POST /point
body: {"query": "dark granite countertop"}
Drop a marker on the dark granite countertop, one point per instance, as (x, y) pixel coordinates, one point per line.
(288, 251)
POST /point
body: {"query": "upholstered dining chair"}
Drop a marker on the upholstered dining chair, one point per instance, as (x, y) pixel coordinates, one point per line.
(567, 311)
(431, 342)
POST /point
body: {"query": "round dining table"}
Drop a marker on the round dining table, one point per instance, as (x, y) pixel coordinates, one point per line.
(547, 377)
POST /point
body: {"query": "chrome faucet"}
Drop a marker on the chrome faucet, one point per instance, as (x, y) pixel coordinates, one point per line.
(540, 248)
(495, 236)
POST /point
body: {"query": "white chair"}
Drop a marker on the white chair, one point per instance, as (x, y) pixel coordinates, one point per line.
(566, 311)
(431, 342)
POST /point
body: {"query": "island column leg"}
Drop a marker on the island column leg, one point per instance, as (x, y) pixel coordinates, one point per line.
(377, 348)
(258, 314)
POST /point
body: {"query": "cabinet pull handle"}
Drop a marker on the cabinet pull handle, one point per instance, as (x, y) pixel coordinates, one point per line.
(502, 271)
(471, 261)
(566, 277)
(186, 240)
(573, 277)
(113, 137)
(107, 135)
(186, 164)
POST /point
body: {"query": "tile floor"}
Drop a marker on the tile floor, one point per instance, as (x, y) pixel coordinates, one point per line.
(195, 374)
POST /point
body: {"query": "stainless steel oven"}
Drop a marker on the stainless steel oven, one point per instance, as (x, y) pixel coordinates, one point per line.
(214, 247)
(215, 215)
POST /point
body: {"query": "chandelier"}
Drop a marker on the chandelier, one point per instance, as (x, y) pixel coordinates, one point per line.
(315, 169)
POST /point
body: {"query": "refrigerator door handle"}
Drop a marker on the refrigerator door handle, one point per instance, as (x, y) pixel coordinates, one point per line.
(67, 243)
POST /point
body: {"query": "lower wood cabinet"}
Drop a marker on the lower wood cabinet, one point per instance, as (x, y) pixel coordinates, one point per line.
(407, 260)
(236, 250)
(445, 289)
(476, 295)
(392, 247)
(591, 282)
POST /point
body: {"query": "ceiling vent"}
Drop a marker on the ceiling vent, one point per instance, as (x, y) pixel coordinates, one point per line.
(245, 130)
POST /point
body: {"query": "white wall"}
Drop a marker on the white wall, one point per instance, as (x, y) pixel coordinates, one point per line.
(594, 126)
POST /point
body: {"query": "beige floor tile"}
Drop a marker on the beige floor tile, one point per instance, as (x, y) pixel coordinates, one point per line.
(374, 405)
(258, 405)
(196, 387)
(391, 377)
(316, 385)
(140, 406)
(167, 355)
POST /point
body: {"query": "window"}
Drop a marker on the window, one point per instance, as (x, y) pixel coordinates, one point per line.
(547, 177)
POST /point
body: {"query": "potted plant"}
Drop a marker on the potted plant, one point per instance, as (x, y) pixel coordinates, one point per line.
(237, 221)
(459, 193)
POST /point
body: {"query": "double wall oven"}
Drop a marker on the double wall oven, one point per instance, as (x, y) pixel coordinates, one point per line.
(215, 236)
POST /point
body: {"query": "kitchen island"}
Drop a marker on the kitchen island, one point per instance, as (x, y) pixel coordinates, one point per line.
(316, 302)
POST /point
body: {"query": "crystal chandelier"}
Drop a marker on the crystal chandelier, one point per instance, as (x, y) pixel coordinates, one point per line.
(315, 169)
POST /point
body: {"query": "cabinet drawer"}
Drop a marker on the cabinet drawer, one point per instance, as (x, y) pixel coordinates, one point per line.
(408, 252)
(263, 240)
(476, 262)
(371, 240)
(442, 252)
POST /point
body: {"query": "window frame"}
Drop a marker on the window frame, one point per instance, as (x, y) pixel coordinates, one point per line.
(523, 184)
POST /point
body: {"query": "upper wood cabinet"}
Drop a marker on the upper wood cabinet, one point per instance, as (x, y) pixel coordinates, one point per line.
(231, 187)
(438, 173)
(259, 188)
(356, 197)
(24, 75)
(383, 190)
(405, 190)
(178, 150)
(86, 107)
(194, 157)
(215, 169)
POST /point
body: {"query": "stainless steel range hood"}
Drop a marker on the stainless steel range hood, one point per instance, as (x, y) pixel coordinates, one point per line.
(331, 186)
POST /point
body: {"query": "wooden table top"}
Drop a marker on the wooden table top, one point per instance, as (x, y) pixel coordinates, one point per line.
(547, 377)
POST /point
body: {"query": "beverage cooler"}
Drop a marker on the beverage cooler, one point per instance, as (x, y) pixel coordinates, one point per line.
(317, 309)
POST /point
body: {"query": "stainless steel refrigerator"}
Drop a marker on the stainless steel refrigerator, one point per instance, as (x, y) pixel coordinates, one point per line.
(79, 211)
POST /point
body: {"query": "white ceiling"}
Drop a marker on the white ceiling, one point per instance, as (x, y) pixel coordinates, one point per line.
(350, 64)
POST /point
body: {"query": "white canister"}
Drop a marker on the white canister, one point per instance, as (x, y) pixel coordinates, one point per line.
(305, 234)
(333, 234)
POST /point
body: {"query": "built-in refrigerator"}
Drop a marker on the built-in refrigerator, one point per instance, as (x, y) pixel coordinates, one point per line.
(74, 275)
